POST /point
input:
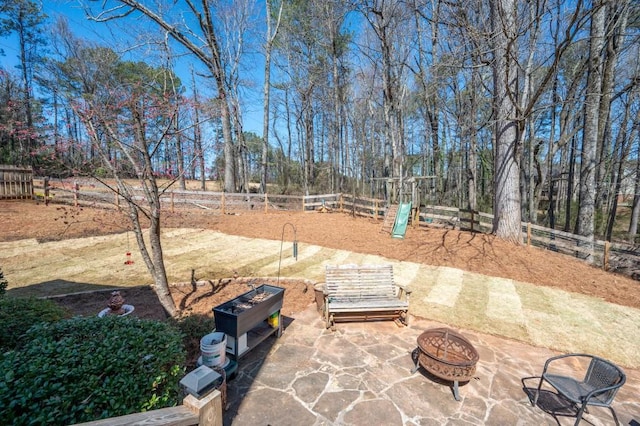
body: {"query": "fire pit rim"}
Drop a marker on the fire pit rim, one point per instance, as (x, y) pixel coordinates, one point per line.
(452, 335)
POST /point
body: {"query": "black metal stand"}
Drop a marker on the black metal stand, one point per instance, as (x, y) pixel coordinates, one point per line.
(414, 357)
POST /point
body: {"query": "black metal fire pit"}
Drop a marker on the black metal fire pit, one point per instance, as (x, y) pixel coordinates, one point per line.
(447, 355)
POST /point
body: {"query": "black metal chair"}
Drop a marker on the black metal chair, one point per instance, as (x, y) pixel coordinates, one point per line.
(598, 387)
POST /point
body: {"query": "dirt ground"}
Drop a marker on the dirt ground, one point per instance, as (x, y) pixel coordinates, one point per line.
(473, 252)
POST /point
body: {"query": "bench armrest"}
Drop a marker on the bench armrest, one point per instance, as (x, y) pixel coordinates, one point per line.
(404, 291)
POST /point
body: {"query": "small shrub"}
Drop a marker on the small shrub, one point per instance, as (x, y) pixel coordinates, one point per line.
(17, 315)
(3, 284)
(101, 172)
(84, 369)
(193, 328)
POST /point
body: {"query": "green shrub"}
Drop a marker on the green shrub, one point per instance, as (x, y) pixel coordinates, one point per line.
(84, 369)
(17, 315)
(3, 284)
(193, 328)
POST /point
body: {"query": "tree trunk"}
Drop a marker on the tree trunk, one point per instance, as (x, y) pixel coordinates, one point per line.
(616, 23)
(271, 36)
(506, 209)
(635, 211)
(197, 136)
(586, 210)
(154, 260)
(570, 183)
(622, 145)
(472, 162)
(180, 155)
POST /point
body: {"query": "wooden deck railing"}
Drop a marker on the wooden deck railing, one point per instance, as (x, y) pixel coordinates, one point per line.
(204, 412)
(619, 256)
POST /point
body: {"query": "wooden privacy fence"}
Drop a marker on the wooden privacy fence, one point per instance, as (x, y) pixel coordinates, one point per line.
(618, 257)
(16, 182)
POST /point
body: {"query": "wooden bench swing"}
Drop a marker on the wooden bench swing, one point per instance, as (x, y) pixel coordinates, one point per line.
(363, 292)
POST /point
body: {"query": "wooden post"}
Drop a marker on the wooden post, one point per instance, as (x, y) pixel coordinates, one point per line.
(46, 191)
(605, 258)
(222, 203)
(342, 203)
(376, 210)
(304, 207)
(209, 408)
(472, 219)
(117, 197)
(266, 203)
(76, 189)
(171, 201)
(528, 234)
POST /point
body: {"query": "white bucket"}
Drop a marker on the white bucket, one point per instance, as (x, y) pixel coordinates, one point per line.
(213, 347)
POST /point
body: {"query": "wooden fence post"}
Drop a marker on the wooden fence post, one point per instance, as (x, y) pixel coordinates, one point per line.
(266, 203)
(605, 258)
(46, 191)
(76, 189)
(222, 203)
(209, 408)
(117, 197)
(342, 203)
(171, 201)
(528, 234)
(376, 210)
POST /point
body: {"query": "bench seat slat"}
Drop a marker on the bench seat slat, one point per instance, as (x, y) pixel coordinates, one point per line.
(360, 305)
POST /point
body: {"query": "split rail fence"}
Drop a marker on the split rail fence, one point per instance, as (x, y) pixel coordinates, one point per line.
(615, 256)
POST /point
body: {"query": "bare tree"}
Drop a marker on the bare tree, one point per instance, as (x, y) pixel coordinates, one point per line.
(386, 19)
(202, 39)
(272, 32)
(139, 154)
(25, 19)
(128, 112)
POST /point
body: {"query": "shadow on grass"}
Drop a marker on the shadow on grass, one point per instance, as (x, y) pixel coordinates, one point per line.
(57, 287)
(83, 299)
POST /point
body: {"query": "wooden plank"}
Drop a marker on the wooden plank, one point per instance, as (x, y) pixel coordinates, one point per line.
(173, 416)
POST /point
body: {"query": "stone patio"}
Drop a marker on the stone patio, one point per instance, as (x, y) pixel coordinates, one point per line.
(361, 375)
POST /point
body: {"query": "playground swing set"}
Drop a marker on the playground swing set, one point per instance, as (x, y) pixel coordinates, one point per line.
(397, 215)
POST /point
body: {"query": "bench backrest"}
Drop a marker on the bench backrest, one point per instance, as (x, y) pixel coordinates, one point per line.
(360, 281)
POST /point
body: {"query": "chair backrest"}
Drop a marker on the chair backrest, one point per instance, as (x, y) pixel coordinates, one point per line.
(602, 374)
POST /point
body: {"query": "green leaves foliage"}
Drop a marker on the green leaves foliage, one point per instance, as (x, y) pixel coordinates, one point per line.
(17, 315)
(3, 284)
(83, 369)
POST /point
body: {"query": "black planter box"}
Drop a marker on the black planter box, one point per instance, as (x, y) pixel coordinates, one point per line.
(235, 321)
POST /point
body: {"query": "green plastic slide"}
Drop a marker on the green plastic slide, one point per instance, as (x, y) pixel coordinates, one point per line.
(402, 219)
